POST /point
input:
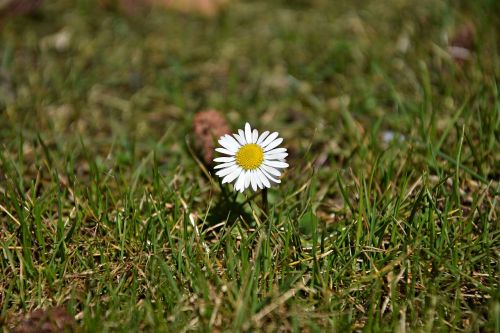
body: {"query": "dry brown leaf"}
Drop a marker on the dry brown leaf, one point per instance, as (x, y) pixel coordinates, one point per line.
(208, 126)
(462, 43)
(127, 7)
(207, 8)
(18, 7)
(52, 320)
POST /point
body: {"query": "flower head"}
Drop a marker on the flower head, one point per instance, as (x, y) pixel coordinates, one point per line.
(253, 160)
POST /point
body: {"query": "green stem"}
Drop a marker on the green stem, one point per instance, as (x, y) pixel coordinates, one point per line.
(265, 205)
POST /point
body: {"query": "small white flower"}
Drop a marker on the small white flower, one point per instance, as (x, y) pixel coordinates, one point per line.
(252, 160)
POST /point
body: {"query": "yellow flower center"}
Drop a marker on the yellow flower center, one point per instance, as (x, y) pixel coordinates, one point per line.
(250, 156)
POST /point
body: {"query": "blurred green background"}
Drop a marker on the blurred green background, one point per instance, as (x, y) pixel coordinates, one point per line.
(389, 109)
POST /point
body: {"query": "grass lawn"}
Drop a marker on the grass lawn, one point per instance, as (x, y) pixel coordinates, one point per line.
(387, 219)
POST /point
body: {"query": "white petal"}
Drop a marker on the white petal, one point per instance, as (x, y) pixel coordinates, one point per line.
(270, 170)
(224, 159)
(263, 178)
(257, 179)
(225, 144)
(241, 140)
(276, 164)
(248, 133)
(242, 135)
(225, 165)
(231, 139)
(273, 144)
(270, 177)
(226, 171)
(232, 176)
(255, 135)
(229, 143)
(276, 151)
(240, 182)
(276, 156)
(253, 181)
(262, 137)
(247, 179)
(225, 151)
(269, 139)
(242, 185)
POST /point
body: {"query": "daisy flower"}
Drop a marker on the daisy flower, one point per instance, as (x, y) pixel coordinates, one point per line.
(252, 159)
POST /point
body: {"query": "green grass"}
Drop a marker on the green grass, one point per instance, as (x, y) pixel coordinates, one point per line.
(99, 190)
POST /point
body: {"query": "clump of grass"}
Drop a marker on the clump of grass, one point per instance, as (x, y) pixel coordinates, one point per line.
(386, 221)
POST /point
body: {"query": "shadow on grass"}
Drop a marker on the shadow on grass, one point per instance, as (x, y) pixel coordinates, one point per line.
(229, 210)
